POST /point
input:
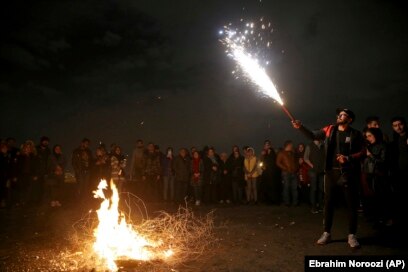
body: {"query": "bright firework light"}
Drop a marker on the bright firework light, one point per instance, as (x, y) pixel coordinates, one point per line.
(240, 47)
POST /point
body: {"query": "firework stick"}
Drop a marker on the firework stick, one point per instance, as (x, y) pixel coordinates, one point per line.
(288, 113)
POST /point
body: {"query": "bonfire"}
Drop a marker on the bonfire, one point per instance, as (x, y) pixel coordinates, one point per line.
(111, 238)
(115, 239)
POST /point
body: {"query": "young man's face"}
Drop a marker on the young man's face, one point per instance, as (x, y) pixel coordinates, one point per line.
(85, 144)
(373, 124)
(45, 143)
(398, 127)
(343, 118)
(150, 148)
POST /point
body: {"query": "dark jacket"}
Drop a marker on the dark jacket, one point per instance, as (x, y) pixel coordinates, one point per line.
(27, 166)
(43, 154)
(225, 173)
(236, 167)
(316, 155)
(399, 153)
(166, 165)
(79, 164)
(211, 176)
(269, 167)
(5, 167)
(357, 150)
(151, 165)
(376, 163)
(101, 169)
(55, 161)
(181, 168)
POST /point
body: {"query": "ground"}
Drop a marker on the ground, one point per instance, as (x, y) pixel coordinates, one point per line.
(245, 238)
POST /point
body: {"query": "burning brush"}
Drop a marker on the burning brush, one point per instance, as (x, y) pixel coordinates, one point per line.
(112, 241)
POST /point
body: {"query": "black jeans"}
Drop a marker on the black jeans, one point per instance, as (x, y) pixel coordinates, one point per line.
(350, 191)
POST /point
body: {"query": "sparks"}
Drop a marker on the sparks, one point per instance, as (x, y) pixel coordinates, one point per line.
(247, 61)
(256, 73)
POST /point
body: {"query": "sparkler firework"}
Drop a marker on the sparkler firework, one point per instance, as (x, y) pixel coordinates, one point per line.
(243, 46)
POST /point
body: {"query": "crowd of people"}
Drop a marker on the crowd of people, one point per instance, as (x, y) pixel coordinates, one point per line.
(371, 169)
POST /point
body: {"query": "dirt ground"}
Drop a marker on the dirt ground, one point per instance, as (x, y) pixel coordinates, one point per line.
(245, 238)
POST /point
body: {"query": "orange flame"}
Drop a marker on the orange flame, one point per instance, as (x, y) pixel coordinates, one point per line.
(116, 239)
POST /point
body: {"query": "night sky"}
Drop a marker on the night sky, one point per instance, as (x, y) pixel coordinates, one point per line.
(117, 71)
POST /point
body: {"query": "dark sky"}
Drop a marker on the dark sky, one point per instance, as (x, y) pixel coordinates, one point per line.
(117, 71)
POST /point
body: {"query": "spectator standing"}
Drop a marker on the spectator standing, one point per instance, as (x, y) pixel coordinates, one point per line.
(224, 185)
(43, 154)
(374, 177)
(27, 173)
(151, 173)
(13, 188)
(399, 167)
(101, 167)
(270, 175)
(236, 163)
(251, 169)
(81, 163)
(197, 172)
(55, 178)
(182, 169)
(211, 176)
(118, 165)
(136, 167)
(5, 174)
(168, 175)
(287, 162)
(374, 122)
(314, 157)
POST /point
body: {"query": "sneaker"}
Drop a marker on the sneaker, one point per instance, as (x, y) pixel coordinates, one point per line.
(324, 239)
(315, 211)
(352, 241)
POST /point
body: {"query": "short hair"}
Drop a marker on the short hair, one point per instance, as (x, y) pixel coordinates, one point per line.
(10, 139)
(286, 143)
(372, 118)
(86, 140)
(44, 138)
(398, 118)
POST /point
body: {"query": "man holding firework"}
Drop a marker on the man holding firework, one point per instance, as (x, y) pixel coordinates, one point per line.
(344, 148)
